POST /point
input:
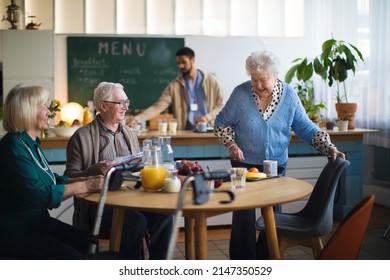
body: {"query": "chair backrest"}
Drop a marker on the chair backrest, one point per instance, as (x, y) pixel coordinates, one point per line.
(320, 204)
(346, 241)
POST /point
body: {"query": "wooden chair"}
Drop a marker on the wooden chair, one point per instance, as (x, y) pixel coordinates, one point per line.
(346, 241)
(315, 220)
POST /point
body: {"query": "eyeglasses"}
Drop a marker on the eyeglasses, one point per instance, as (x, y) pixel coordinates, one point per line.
(120, 103)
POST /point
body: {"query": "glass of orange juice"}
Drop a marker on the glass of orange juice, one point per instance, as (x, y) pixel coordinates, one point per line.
(153, 177)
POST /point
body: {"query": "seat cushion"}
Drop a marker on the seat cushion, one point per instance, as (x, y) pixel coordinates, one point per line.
(296, 226)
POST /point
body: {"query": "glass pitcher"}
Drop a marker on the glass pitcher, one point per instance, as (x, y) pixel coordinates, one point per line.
(167, 152)
(154, 173)
(147, 143)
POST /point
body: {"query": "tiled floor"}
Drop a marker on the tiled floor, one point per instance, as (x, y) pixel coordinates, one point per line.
(374, 247)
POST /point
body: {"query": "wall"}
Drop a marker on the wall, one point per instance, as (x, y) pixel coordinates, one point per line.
(223, 56)
(27, 57)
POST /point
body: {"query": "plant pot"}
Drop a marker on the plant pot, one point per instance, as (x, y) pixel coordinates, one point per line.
(343, 125)
(329, 125)
(347, 109)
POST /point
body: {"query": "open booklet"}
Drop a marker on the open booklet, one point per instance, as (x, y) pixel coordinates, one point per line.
(129, 159)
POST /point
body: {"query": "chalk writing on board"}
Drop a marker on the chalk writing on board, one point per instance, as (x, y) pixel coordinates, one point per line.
(117, 48)
(144, 66)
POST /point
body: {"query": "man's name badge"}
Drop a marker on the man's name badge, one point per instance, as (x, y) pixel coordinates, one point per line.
(194, 107)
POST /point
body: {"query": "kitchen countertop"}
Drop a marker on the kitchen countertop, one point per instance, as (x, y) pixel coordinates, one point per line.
(186, 138)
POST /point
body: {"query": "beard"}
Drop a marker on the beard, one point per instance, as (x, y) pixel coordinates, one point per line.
(186, 72)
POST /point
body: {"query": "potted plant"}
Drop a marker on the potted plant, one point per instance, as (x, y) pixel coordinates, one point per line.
(343, 122)
(305, 90)
(337, 60)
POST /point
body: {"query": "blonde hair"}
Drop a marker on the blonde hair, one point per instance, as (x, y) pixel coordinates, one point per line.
(104, 92)
(21, 107)
(264, 60)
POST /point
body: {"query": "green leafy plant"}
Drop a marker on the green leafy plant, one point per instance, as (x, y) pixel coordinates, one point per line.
(305, 91)
(346, 117)
(55, 106)
(335, 62)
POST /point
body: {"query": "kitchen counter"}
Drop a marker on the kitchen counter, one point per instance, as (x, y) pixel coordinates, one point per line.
(185, 138)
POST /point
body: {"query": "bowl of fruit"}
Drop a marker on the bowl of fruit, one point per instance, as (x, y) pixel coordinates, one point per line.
(188, 168)
(65, 129)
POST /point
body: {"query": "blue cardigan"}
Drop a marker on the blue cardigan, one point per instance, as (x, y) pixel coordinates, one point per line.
(265, 140)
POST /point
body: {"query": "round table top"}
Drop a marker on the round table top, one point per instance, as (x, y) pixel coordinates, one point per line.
(256, 194)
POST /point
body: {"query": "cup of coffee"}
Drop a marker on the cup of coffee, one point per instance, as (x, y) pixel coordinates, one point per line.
(162, 126)
(172, 126)
(201, 126)
(270, 167)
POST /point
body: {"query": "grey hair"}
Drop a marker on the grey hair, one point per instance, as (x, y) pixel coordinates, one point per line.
(104, 92)
(264, 60)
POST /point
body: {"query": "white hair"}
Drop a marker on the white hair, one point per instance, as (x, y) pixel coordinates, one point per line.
(104, 92)
(264, 60)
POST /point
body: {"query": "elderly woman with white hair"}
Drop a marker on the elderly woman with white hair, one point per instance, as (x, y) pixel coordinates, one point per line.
(255, 125)
(29, 187)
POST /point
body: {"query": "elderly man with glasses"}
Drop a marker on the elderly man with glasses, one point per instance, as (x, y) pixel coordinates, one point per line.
(91, 151)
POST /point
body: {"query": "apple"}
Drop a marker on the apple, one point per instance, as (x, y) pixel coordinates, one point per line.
(254, 170)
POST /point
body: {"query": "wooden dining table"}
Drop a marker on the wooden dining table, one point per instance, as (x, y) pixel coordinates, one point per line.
(262, 194)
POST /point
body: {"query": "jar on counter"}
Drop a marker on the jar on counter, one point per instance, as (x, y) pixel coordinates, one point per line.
(172, 182)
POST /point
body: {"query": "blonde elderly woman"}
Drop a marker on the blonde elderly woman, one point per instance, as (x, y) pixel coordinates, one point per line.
(255, 125)
(29, 187)
(92, 150)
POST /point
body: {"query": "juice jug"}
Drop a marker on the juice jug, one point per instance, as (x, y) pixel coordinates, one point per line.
(154, 173)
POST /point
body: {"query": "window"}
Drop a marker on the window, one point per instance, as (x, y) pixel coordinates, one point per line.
(276, 18)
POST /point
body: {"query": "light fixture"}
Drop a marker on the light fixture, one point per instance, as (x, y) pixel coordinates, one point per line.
(72, 111)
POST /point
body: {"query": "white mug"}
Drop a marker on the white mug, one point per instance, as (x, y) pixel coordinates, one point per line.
(201, 126)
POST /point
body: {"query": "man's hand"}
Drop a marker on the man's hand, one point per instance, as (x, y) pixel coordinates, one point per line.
(202, 119)
(132, 122)
(104, 166)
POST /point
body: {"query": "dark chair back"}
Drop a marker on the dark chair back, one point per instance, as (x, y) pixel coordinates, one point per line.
(320, 204)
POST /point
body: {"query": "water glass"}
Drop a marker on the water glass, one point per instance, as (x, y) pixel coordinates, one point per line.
(238, 177)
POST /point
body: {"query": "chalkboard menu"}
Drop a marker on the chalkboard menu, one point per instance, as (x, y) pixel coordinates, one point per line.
(144, 66)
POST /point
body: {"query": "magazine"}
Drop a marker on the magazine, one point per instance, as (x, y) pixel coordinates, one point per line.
(129, 159)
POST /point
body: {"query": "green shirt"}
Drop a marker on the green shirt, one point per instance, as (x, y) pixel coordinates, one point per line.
(26, 191)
